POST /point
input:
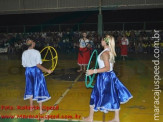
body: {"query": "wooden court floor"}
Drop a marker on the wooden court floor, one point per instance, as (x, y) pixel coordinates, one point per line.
(68, 91)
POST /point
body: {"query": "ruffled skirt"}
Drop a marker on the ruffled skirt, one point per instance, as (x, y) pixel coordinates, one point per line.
(35, 85)
(83, 56)
(108, 93)
(124, 50)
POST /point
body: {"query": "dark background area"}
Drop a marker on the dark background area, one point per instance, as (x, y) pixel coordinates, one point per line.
(139, 15)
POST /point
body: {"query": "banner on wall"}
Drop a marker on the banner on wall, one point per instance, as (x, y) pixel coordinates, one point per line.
(3, 50)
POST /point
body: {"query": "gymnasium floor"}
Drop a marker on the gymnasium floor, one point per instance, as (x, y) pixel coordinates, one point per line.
(68, 91)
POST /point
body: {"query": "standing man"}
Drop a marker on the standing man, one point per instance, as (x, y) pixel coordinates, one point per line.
(84, 52)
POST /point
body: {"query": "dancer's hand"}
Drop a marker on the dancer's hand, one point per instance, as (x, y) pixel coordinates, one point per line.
(89, 72)
(49, 71)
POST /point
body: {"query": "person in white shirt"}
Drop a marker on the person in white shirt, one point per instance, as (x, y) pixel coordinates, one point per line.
(35, 88)
(108, 92)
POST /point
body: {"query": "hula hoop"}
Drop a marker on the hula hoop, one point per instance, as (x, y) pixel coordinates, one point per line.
(53, 65)
(91, 78)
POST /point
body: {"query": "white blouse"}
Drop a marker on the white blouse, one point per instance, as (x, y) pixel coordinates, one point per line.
(83, 43)
(101, 62)
(31, 58)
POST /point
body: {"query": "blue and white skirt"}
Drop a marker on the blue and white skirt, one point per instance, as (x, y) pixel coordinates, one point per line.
(108, 93)
(35, 85)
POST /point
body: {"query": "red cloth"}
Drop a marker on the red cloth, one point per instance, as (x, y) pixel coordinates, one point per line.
(83, 56)
(124, 50)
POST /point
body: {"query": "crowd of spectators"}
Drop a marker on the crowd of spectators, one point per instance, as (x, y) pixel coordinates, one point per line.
(67, 42)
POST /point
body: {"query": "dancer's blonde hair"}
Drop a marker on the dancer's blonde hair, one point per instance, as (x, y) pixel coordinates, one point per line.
(111, 43)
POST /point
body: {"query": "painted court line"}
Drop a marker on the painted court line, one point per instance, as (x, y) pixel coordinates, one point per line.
(62, 96)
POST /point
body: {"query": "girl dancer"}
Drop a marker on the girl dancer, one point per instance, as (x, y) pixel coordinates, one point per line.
(108, 92)
(124, 47)
(36, 88)
(84, 52)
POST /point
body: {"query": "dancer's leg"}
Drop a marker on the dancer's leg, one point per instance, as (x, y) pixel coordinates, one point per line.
(41, 111)
(31, 104)
(84, 68)
(90, 117)
(80, 69)
(123, 57)
(116, 117)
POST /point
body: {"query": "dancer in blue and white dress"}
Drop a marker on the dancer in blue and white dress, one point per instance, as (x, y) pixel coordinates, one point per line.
(35, 88)
(108, 92)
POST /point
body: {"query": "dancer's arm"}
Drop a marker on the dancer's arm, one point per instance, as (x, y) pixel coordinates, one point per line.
(43, 68)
